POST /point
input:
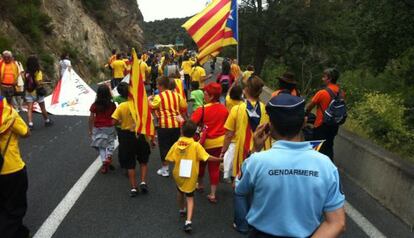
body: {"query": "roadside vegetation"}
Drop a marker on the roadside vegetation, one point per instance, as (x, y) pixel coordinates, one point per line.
(371, 42)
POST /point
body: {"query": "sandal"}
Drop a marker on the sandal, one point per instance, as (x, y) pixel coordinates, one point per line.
(200, 189)
(212, 199)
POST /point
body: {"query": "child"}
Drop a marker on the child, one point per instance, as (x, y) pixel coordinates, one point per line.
(123, 93)
(101, 127)
(234, 97)
(132, 147)
(186, 150)
(197, 95)
(168, 106)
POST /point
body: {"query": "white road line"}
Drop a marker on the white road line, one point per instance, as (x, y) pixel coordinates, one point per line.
(362, 222)
(51, 224)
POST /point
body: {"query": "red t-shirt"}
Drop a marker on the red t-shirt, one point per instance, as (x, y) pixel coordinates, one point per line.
(215, 115)
(103, 119)
(322, 100)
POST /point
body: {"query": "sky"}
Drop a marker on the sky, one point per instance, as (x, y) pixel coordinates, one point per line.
(160, 9)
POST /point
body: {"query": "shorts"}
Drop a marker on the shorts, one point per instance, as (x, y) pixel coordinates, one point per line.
(30, 98)
(186, 194)
(7, 91)
(132, 148)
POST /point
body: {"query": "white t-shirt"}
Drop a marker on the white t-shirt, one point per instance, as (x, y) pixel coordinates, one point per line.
(64, 64)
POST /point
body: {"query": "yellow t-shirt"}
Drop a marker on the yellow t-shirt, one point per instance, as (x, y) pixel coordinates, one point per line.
(186, 66)
(196, 74)
(230, 103)
(118, 67)
(238, 122)
(246, 76)
(123, 115)
(38, 78)
(186, 149)
(12, 159)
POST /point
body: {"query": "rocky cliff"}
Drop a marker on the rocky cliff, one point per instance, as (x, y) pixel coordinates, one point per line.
(86, 29)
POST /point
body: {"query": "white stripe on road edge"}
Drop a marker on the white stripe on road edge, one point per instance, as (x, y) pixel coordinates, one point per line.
(362, 222)
(54, 220)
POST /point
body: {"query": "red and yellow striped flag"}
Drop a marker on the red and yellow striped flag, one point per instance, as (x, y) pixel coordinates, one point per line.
(140, 110)
(214, 28)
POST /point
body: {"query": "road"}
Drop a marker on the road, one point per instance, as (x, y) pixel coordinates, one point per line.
(58, 156)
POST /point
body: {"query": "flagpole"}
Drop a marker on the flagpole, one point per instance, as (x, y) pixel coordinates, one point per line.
(237, 27)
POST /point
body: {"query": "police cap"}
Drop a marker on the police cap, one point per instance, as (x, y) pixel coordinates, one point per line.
(286, 109)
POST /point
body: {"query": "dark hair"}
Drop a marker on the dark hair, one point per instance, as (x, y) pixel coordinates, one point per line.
(250, 67)
(236, 93)
(288, 128)
(114, 51)
(103, 98)
(64, 56)
(195, 85)
(254, 86)
(225, 68)
(333, 74)
(189, 128)
(172, 84)
(164, 82)
(32, 65)
(118, 56)
(122, 89)
(285, 85)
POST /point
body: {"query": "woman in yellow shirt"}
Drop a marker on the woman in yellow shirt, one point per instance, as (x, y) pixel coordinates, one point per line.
(243, 121)
(34, 91)
(13, 175)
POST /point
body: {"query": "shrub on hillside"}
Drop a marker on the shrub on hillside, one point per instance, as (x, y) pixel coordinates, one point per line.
(381, 117)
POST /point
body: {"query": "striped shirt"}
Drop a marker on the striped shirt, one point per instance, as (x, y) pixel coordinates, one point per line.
(168, 105)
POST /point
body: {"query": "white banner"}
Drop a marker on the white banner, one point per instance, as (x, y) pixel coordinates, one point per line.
(73, 97)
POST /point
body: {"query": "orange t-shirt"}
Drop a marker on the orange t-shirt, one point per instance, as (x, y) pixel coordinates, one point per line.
(9, 74)
(294, 92)
(322, 100)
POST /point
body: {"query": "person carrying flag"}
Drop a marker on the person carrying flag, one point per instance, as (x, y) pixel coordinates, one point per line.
(243, 121)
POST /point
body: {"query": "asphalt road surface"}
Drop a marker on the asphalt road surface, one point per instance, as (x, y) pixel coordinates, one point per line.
(58, 156)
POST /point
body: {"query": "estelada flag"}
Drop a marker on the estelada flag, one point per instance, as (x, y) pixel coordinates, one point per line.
(214, 28)
(140, 110)
(316, 144)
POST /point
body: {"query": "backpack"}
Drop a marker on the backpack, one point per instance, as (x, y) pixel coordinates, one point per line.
(224, 80)
(29, 82)
(336, 113)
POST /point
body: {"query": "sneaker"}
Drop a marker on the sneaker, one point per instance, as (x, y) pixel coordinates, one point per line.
(48, 123)
(143, 187)
(163, 173)
(133, 192)
(187, 227)
(104, 169)
(109, 161)
(30, 126)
